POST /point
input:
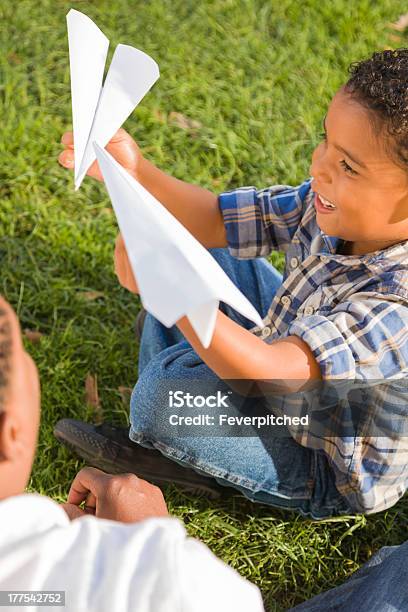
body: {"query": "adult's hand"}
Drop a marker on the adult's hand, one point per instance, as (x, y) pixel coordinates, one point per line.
(123, 269)
(121, 146)
(122, 497)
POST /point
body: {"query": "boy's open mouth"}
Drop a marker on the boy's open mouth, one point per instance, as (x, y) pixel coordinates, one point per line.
(322, 205)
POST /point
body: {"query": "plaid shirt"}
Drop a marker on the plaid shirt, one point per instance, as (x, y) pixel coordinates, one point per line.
(352, 311)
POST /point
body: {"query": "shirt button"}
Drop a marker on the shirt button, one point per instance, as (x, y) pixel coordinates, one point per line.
(309, 310)
(285, 300)
(324, 259)
(266, 332)
(294, 262)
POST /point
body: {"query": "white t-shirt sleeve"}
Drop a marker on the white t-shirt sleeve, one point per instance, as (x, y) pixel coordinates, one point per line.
(208, 584)
(104, 566)
(154, 567)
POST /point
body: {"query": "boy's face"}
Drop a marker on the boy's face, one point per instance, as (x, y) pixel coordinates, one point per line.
(19, 420)
(352, 169)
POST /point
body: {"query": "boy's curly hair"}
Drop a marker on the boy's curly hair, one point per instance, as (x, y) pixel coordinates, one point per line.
(380, 83)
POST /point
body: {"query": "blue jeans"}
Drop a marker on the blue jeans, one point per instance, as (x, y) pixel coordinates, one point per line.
(276, 471)
(380, 585)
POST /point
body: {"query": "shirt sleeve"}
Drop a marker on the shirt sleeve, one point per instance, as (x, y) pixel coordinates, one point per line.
(258, 222)
(104, 565)
(363, 338)
(199, 568)
(362, 349)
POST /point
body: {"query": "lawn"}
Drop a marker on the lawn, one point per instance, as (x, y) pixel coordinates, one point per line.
(251, 81)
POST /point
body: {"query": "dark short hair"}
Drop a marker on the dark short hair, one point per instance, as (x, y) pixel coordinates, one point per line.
(380, 83)
(6, 347)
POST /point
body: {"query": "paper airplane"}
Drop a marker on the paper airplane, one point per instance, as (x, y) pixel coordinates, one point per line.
(175, 274)
(99, 111)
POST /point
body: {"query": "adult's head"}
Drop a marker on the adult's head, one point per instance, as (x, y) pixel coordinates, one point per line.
(19, 406)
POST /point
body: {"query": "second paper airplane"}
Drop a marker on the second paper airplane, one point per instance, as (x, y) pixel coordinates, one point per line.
(175, 274)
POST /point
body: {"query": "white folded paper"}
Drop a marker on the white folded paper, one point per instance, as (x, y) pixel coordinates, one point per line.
(99, 111)
(176, 275)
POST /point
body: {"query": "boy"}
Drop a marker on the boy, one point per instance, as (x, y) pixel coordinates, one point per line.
(115, 560)
(340, 312)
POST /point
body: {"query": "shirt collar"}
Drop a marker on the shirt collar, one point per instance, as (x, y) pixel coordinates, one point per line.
(397, 252)
(322, 243)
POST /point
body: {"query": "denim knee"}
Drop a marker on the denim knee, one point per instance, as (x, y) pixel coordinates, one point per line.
(147, 397)
(176, 365)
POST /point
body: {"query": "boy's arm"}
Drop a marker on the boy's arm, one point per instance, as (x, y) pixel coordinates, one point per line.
(236, 353)
(195, 207)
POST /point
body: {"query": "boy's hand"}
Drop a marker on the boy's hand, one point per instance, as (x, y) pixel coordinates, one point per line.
(123, 497)
(122, 147)
(123, 268)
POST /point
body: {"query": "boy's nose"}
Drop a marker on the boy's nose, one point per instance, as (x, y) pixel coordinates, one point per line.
(319, 168)
(321, 176)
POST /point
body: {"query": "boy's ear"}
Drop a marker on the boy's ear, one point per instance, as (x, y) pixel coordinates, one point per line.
(10, 443)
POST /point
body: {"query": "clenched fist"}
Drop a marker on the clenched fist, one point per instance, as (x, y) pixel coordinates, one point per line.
(120, 497)
(122, 147)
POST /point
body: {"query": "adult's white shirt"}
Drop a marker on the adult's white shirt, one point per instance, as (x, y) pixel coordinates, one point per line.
(151, 566)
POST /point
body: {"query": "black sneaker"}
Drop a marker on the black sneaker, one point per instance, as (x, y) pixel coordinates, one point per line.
(109, 448)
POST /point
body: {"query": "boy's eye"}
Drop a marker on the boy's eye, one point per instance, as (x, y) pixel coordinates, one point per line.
(347, 168)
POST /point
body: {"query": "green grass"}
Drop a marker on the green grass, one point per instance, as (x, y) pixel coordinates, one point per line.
(258, 76)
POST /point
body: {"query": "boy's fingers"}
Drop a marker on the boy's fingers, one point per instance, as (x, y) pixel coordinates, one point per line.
(66, 158)
(68, 139)
(94, 171)
(89, 480)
